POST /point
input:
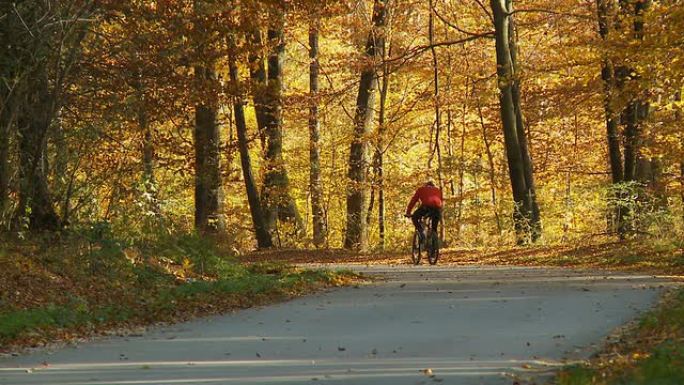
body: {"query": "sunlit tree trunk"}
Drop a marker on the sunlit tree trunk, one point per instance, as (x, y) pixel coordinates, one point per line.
(535, 219)
(258, 220)
(380, 150)
(257, 75)
(315, 184)
(357, 190)
(492, 169)
(277, 202)
(516, 167)
(436, 96)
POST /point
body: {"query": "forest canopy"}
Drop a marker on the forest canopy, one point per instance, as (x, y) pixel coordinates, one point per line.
(310, 123)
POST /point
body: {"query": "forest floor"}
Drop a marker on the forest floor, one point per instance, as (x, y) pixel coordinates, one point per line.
(657, 257)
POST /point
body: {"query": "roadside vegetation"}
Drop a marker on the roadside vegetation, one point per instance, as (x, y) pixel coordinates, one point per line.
(651, 353)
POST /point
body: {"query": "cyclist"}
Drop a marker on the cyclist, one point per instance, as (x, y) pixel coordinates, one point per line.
(431, 202)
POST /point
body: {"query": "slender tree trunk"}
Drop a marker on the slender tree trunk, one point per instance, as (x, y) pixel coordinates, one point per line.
(678, 119)
(636, 109)
(257, 74)
(535, 218)
(492, 170)
(516, 167)
(315, 184)
(277, 202)
(436, 95)
(5, 125)
(263, 236)
(207, 154)
(380, 150)
(605, 10)
(461, 157)
(147, 150)
(681, 182)
(356, 236)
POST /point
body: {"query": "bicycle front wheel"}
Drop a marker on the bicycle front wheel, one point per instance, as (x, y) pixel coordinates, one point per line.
(416, 249)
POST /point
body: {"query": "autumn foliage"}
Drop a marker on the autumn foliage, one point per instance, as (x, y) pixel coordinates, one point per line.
(125, 113)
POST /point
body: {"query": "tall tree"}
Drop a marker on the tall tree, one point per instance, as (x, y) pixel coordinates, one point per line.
(356, 236)
(206, 133)
(315, 184)
(535, 218)
(263, 237)
(605, 19)
(514, 137)
(277, 202)
(46, 41)
(620, 87)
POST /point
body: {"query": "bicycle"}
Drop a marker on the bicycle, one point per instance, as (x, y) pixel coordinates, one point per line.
(430, 244)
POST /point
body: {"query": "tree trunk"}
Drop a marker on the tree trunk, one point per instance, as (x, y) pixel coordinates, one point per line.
(535, 219)
(5, 124)
(148, 153)
(492, 170)
(277, 202)
(263, 236)
(612, 120)
(380, 151)
(436, 94)
(207, 155)
(33, 124)
(681, 183)
(516, 167)
(356, 236)
(147, 149)
(257, 75)
(315, 184)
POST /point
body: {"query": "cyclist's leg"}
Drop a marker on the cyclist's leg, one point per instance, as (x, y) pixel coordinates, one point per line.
(417, 216)
(435, 216)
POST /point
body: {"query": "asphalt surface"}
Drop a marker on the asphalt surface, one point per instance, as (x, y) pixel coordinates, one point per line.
(416, 325)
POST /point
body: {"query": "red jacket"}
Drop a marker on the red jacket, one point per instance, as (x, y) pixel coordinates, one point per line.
(429, 196)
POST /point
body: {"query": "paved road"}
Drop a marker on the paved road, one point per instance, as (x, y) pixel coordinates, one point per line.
(449, 325)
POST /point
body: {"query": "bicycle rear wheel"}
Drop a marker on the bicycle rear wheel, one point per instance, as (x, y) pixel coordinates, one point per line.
(432, 247)
(416, 249)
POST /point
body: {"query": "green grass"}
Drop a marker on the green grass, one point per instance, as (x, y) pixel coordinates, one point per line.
(665, 366)
(20, 322)
(576, 375)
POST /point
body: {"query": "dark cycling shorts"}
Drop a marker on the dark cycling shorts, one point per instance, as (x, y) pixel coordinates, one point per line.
(435, 213)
